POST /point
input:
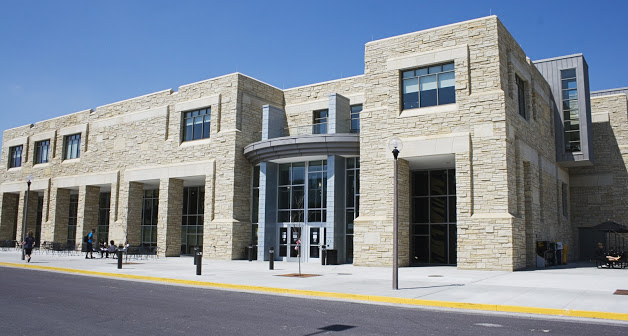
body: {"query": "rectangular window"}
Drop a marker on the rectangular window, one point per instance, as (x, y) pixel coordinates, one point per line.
(192, 219)
(571, 116)
(150, 203)
(104, 204)
(352, 201)
(429, 86)
(296, 196)
(42, 151)
(72, 220)
(355, 118)
(72, 146)
(319, 122)
(196, 124)
(521, 96)
(15, 156)
(255, 208)
(564, 199)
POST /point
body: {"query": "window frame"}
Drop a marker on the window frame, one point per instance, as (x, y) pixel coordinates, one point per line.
(205, 131)
(15, 155)
(69, 151)
(355, 115)
(319, 122)
(404, 75)
(520, 91)
(566, 101)
(39, 151)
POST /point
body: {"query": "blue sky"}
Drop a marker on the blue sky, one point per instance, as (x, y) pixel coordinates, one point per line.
(60, 57)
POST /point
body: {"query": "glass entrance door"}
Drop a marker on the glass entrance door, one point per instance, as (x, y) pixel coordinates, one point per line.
(316, 238)
(290, 242)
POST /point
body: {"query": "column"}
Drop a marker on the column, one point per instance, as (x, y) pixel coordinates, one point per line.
(169, 220)
(8, 216)
(273, 122)
(267, 229)
(339, 117)
(87, 214)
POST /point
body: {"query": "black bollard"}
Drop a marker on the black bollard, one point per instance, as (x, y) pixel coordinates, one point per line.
(323, 254)
(119, 259)
(195, 253)
(199, 255)
(271, 258)
(250, 249)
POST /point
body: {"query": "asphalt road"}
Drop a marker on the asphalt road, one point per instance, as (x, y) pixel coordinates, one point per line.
(47, 303)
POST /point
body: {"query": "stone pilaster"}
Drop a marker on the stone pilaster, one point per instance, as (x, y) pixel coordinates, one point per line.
(132, 217)
(267, 215)
(8, 216)
(31, 218)
(87, 214)
(170, 212)
(208, 242)
(61, 205)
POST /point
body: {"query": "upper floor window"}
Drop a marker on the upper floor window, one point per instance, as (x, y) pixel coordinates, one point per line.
(15, 156)
(521, 96)
(319, 122)
(355, 118)
(429, 86)
(42, 151)
(196, 124)
(571, 116)
(72, 146)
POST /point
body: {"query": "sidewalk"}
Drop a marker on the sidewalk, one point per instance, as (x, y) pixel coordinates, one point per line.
(568, 291)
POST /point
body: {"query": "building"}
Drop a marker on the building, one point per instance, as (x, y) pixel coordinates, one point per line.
(499, 153)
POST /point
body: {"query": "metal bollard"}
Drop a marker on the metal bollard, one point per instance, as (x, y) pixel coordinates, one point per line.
(199, 262)
(119, 252)
(323, 255)
(271, 258)
(250, 250)
(195, 253)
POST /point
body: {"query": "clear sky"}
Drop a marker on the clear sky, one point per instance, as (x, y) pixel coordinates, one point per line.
(59, 57)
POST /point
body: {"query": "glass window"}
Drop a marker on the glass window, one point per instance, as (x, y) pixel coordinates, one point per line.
(352, 201)
(429, 86)
(320, 122)
(196, 124)
(521, 96)
(104, 203)
(149, 217)
(42, 150)
(72, 146)
(571, 114)
(192, 219)
(355, 118)
(295, 196)
(15, 156)
(72, 220)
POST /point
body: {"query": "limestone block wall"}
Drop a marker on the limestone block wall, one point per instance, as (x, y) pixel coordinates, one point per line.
(598, 192)
(8, 216)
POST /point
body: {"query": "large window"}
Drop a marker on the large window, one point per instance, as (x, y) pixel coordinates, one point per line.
(352, 201)
(72, 146)
(429, 86)
(319, 122)
(291, 193)
(15, 156)
(42, 151)
(104, 204)
(521, 96)
(571, 114)
(72, 219)
(192, 219)
(317, 191)
(355, 118)
(196, 124)
(149, 217)
(434, 217)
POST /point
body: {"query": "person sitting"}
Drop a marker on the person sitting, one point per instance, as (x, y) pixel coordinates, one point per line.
(111, 249)
(102, 247)
(604, 258)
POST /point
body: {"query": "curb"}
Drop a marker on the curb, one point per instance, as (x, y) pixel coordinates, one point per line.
(344, 296)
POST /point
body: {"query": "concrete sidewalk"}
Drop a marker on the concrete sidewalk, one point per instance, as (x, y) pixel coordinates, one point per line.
(583, 291)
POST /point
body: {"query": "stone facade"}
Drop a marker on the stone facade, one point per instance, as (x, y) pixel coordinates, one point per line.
(509, 187)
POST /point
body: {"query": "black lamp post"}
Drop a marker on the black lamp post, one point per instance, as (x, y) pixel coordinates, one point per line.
(29, 179)
(395, 146)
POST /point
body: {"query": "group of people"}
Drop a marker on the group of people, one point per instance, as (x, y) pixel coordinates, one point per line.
(606, 258)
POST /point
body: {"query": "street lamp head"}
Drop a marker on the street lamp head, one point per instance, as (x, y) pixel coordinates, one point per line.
(29, 178)
(395, 143)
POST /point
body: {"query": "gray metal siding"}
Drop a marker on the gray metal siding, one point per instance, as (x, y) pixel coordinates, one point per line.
(610, 92)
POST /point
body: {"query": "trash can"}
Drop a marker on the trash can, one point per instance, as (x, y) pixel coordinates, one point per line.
(332, 257)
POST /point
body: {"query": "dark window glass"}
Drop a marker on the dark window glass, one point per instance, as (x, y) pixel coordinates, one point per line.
(15, 156)
(355, 118)
(429, 86)
(438, 233)
(570, 110)
(196, 124)
(521, 98)
(420, 181)
(420, 211)
(42, 150)
(453, 256)
(320, 122)
(438, 182)
(438, 210)
(421, 249)
(192, 219)
(149, 218)
(72, 146)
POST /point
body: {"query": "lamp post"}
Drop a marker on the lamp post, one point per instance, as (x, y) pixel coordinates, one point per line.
(395, 145)
(29, 179)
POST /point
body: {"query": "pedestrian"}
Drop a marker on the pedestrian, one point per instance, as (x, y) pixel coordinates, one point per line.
(29, 242)
(90, 240)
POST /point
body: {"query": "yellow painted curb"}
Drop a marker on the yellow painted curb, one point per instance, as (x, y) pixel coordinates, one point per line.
(346, 296)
